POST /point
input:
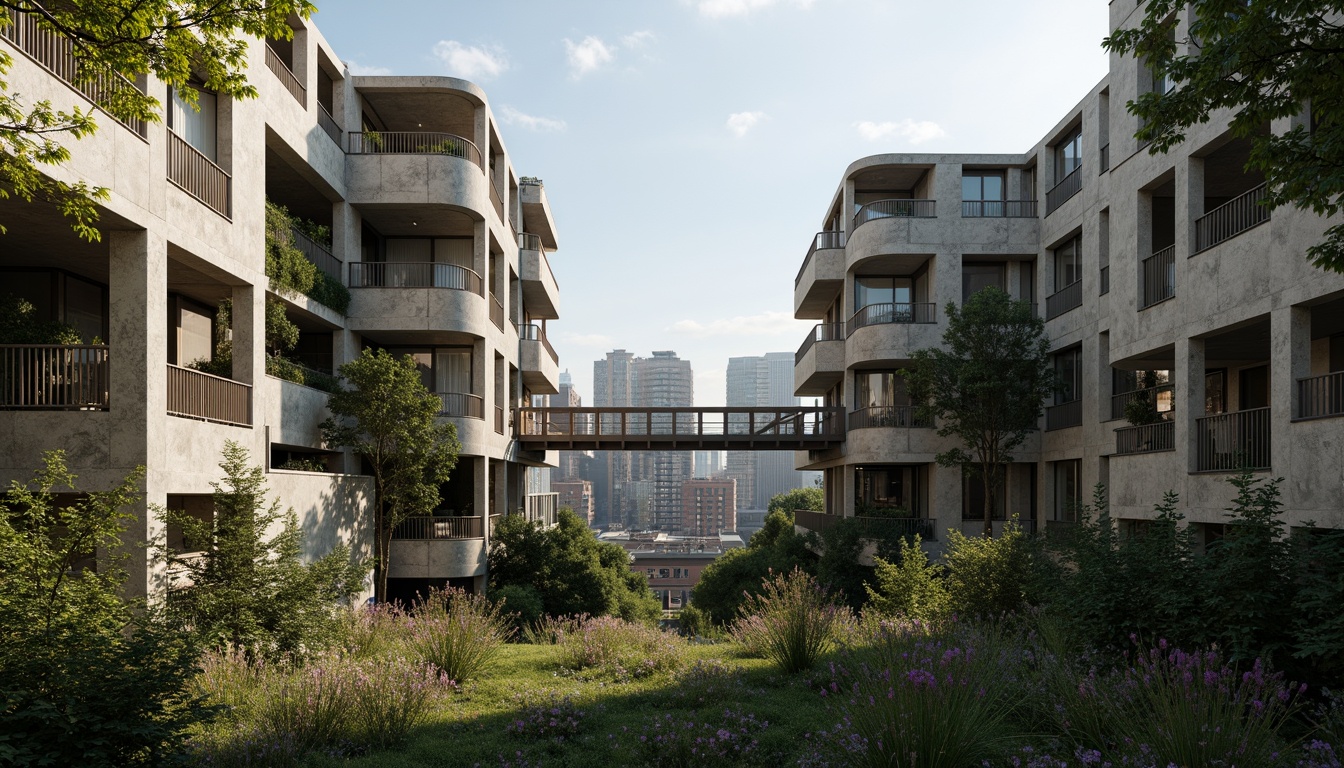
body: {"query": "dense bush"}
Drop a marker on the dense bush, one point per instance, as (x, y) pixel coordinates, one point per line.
(520, 603)
(987, 576)
(457, 633)
(612, 648)
(791, 623)
(725, 583)
(911, 586)
(19, 324)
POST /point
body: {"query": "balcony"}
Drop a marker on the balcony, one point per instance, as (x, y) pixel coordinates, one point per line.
(901, 416)
(1064, 415)
(538, 361)
(382, 274)
(1230, 219)
(1320, 396)
(53, 377)
(286, 77)
(426, 528)
(1066, 188)
(822, 275)
(886, 314)
(819, 363)
(1067, 298)
(328, 123)
(1155, 395)
(461, 405)
(542, 508)
(414, 143)
(195, 394)
(998, 209)
(198, 176)
(541, 292)
(537, 211)
(496, 311)
(1158, 273)
(496, 201)
(499, 420)
(1146, 438)
(869, 527)
(1232, 441)
(894, 209)
(318, 254)
(821, 332)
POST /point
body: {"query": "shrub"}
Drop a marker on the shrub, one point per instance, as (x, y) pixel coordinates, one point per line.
(704, 683)
(911, 587)
(459, 634)
(521, 605)
(552, 630)
(331, 292)
(987, 577)
(792, 623)
(390, 697)
(618, 649)
(372, 630)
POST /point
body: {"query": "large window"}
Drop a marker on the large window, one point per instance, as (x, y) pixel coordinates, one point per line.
(877, 389)
(982, 185)
(1068, 266)
(882, 290)
(1069, 372)
(197, 125)
(888, 488)
(442, 369)
(1067, 483)
(973, 497)
(1069, 154)
(977, 277)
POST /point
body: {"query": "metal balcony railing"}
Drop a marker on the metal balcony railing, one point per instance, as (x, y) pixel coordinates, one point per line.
(1064, 415)
(199, 395)
(1319, 396)
(197, 175)
(318, 254)
(1232, 441)
(869, 527)
(894, 209)
(461, 405)
(414, 143)
(423, 528)
(286, 77)
(497, 201)
(1121, 400)
(533, 332)
(822, 332)
(542, 508)
(530, 242)
(1146, 438)
(499, 420)
(998, 209)
(1066, 298)
(402, 274)
(1231, 218)
(1067, 187)
(898, 313)
(1159, 277)
(496, 311)
(821, 241)
(328, 123)
(72, 377)
(904, 416)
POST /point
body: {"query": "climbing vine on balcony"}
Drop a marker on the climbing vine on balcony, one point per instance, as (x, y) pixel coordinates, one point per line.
(291, 273)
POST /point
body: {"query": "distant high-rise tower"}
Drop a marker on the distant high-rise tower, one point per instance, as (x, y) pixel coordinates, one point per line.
(568, 466)
(666, 381)
(614, 385)
(761, 382)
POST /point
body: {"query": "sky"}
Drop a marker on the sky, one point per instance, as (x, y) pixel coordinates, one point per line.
(690, 148)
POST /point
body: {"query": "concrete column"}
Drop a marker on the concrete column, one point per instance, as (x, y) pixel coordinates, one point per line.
(1189, 379)
(1289, 360)
(947, 189)
(1105, 381)
(249, 334)
(1189, 206)
(847, 207)
(849, 493)
(946, 269)
(345, 233)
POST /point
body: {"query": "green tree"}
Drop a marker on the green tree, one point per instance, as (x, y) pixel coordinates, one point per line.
(911, 586)
(986, 387)
(1264, 61)
(19, 324)
(390, 419)
(86, 677)
(987, 577)
(727, 582)
(568, 569)
(799, 498)
(179, 42)
(247, 589)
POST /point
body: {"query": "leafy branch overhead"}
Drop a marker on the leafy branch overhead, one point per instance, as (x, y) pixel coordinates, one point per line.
(1266, 62)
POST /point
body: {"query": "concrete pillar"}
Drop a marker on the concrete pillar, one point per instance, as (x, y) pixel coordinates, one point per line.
(1289, 360)
(1189, 206)
(947, 189)
(249, 334)
(346, 237)
(946, 269)
(847, 207)
(850, 491)
(1189, 379)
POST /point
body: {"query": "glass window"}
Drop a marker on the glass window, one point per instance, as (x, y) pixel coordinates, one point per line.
(977, 277)
(1067, 267)
(196, 125)
(84, 307)
(1066, 489)
(973, 497)
(982, 185)
(882, 290)
(875, 389)
(453, 370)
(455, 250)
(1069, 370)
(888, 488)
(195, 340)
(1215, 392)
(1069, 154)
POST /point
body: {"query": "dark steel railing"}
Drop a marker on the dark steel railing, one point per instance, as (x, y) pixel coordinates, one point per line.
(286, 77)
(821, 241)
(461, 404)
(1159, 277)
(1066, 298)
(199, 395)
(898, 313)
(328, 123)
(403, 274)
(1146, 438)
(1105, 158)
(318, 254)
(692, 421)
(424, 527)
(869, 526)
(499, 420)
(1067, 187)
(821, 332)
(197, 175)
(496, 311)
(905, 416)
(497, 201)
(1000, 209)
(542, 508)
(1064, 415)
(894, 209)
(1121, 400)
(55, 53)
(414, 143)
(1231, 441)
(534, 332)
(530, 242)
(1231, 218)
(1319, 396)
(70, 377)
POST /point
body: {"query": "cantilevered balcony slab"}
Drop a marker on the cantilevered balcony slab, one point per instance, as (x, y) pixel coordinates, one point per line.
(537, 213)
(537, 360)
(821, 278)
(541, 293)
(819, 363)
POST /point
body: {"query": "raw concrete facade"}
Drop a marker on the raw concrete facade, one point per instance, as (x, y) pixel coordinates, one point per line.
(1162, 264)
(441, 244)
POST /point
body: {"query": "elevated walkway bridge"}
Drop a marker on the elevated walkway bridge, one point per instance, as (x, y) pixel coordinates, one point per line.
(777, 428)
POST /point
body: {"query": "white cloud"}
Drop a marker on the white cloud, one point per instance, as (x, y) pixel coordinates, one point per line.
(636, 39)
(471, 61)
(716, 9)
(764, 324)
(363, 69)
(741, 122)
(512, 116)
(588, 55)
(585, 339)
(915, 132)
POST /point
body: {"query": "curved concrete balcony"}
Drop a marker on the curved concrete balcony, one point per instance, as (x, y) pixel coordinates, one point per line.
(882, 439)
(541, 293)
(821, 277)
(417, 297)
(438, 548)
(819, 363)
(416, 169)
(538, 361)
(889, 332)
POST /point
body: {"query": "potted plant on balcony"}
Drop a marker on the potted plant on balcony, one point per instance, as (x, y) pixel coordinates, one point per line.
(1141, 409)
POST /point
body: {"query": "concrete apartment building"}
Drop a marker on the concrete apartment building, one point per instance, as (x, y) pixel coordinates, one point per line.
(708, 507)
(442, 244)
(762, 380)
(576, 495)
(1137, 262)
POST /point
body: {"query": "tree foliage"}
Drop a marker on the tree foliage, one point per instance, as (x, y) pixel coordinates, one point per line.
(986, 386)
(909, 586)
(181, 43)
(388, 417)
(568, 569)
(245, 586)
(738, 573)
(811, 498)
(1264, 61)
(86, 678)
(19, 324)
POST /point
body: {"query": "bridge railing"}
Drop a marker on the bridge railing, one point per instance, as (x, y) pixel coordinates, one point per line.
(748, 423)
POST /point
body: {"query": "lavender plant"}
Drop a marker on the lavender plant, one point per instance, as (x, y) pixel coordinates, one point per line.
(458, 633)
(792, 623)
(670, 742)
(549, 717)
(615, 648)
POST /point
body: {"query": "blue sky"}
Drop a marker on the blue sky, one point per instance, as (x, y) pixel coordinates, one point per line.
(690, 147)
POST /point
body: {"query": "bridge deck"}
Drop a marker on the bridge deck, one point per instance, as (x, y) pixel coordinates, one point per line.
(679, 429)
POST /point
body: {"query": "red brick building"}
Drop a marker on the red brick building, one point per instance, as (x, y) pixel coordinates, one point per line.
(708, 507)
(577, 495)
